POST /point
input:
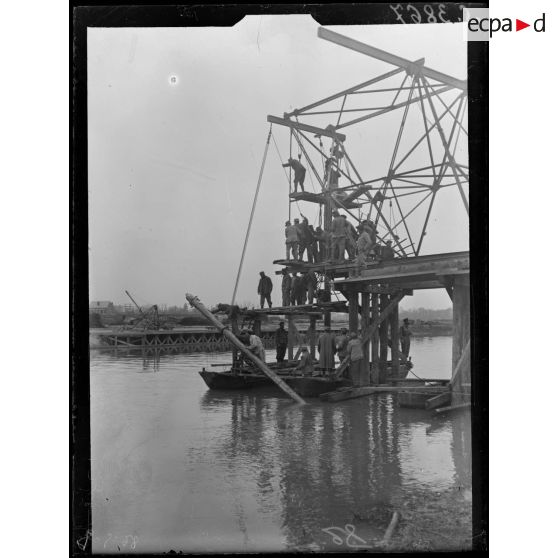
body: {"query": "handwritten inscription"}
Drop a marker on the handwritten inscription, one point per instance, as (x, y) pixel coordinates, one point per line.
(427, 13)
(127, 542)
(347, 536)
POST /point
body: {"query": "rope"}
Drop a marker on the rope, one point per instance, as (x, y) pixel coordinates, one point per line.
(251, 217)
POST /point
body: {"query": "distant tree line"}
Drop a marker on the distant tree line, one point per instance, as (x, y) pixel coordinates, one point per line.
(426, 314)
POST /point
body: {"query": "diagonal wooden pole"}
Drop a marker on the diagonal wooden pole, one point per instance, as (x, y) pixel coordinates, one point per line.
(196, 303)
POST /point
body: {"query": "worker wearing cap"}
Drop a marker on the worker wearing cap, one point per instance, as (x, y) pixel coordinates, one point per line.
(351, 236)
(265, 286)
(299, 173)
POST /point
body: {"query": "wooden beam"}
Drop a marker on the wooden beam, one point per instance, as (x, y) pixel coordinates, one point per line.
(365, 323)
(379, 54)
(196, 303)
(330, 133)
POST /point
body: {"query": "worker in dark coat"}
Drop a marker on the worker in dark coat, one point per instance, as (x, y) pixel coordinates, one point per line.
(306, 238)
(286, 285)
(265, 286)
(311, 282)
(299, 173)
(281, 342)
(326, 348)
(298, 290)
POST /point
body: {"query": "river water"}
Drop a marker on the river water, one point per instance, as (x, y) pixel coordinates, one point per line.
(177, 467)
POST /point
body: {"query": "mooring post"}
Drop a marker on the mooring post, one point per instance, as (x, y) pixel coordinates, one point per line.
(394, 327)
(365, 323)
(375, 312)
(382, 369)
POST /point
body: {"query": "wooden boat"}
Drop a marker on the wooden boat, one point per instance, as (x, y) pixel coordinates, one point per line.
(306, 386)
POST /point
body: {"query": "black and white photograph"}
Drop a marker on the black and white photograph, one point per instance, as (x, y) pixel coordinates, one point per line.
(281, 353)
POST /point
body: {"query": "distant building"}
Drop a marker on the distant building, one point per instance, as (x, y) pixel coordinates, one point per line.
(101, 307)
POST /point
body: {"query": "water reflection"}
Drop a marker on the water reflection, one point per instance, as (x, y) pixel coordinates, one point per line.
(338, 464)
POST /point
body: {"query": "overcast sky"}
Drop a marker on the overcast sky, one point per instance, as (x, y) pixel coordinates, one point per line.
(174, 163)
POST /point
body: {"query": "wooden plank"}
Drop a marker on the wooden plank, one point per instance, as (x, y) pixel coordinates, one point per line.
(352, 393)
(438, 400)
(196, 303)
(331, 133)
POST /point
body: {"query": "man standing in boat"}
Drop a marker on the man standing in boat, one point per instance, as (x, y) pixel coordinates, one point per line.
(265, 286)
(326, 348)
(299, 173)
(405, 336)
(281, 342)
(286, 285)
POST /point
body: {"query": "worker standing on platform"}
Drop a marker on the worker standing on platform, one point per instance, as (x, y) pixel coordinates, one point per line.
(298, 290)
(286, 285)
(291, 240)
(363, 246)
(326, 348)
(338, 237)
(299, 173)
(281, 342)
(311, 282)
(305, 240)
(357, 367)
(265, 286)
(405, 336)
(256, 346)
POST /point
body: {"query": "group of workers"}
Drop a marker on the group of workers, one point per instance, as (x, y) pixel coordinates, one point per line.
(301, 288)
(359, 244)
(347, 346)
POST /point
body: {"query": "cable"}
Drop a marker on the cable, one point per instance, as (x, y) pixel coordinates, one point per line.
(251, 217)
